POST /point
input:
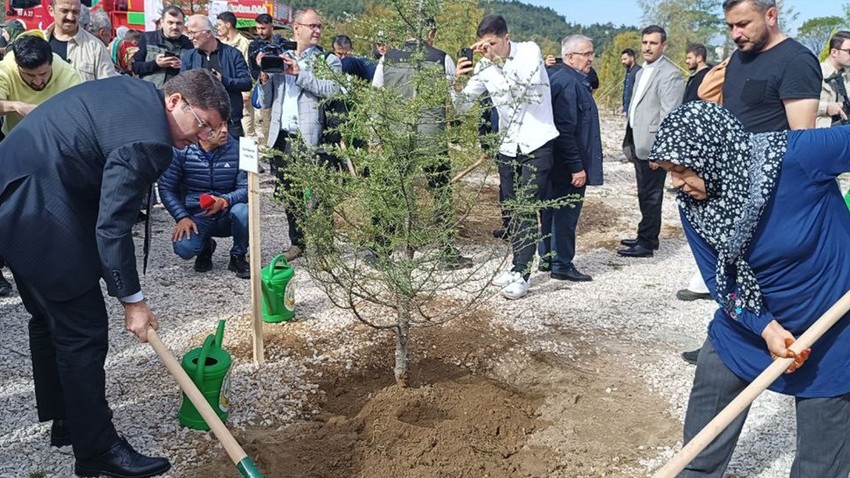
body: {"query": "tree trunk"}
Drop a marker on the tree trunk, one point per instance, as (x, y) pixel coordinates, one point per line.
(401, 345)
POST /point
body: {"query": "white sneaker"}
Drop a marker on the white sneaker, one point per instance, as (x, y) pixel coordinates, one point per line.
(505, 278)
(516, 289)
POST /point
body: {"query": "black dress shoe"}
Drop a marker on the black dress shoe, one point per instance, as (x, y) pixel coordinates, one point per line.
(691, 357)
(689, 295)
(629, 242)
(635, 251)
(122, 461)
(59, 434)
(203, 263)
(240, 266)
(571, 274)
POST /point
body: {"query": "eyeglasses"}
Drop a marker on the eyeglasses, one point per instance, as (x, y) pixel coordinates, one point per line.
(845, 50)
(312, 26)
(190, 33)
(206, 128)
(586, 54)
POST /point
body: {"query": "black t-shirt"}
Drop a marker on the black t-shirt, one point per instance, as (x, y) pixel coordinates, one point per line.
(692, 88)
(59, 47)
(756, 85)
(210, 62)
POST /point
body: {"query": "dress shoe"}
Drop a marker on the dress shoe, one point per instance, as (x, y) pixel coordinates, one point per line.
(240, 266)
(635, 251)
(691, 357)
(689, 295)
(59, 434)
(571, 274)
(629, 242)
(5, 287)
(122, 461)
(203, 263)
(294, 252)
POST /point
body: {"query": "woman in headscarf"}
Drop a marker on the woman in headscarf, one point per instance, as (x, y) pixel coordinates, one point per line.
(12, 31)
(769, 229)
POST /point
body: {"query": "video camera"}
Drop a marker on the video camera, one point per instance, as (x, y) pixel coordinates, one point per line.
(271, 61)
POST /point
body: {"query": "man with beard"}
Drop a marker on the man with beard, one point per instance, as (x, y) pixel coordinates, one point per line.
(695, 55)
(836, 82)
(772, 83)
(158, 57)
(627, 58)
(84, 51)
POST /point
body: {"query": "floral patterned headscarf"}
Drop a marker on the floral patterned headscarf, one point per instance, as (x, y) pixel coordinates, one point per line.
(740, 171)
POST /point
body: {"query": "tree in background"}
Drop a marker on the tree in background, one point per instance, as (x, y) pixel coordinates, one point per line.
(816, 32)
(686, 21)
(611, 72)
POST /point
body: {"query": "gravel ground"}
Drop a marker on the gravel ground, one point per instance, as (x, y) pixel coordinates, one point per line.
(629, 307)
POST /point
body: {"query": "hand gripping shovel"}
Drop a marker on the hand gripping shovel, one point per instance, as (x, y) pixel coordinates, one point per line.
(243, 462)
(753, 390)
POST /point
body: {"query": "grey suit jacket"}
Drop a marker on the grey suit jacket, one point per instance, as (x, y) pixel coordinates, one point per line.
(663, 94)
(313, 90)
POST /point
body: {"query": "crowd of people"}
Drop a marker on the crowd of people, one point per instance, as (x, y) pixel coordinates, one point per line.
(77, 172)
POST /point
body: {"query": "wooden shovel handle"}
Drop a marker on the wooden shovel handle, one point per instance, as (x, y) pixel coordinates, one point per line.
(753, 390)
(236, 453)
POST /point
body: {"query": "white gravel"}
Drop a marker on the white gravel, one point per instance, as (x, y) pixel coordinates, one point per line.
(629, 307)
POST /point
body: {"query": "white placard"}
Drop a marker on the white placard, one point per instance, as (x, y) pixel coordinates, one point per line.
(248, 155)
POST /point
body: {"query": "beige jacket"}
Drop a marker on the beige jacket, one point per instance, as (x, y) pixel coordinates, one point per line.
(87, 55)
(240, 43)
(829, 95)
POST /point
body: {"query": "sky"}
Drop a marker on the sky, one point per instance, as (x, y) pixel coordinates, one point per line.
(628, 12)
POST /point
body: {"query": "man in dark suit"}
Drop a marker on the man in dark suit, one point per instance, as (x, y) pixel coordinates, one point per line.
(73, 176)
(577, 157)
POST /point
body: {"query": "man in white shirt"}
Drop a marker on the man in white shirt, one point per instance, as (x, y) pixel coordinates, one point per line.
(515, 77)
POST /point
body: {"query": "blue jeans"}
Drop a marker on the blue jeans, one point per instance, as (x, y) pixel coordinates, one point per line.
(558, 228)
(233, 222)
(823, 425)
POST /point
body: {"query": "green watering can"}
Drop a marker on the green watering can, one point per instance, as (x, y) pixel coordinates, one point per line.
(278, 290)
(209, 368)
(847, 199)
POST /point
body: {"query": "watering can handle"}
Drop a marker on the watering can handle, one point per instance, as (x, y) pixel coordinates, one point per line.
(219, 334)
(273, 264)
(202, 361)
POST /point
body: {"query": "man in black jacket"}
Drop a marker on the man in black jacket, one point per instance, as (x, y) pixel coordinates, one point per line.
(74, 172)
(577, 158)
(225, 62)
(158, 57)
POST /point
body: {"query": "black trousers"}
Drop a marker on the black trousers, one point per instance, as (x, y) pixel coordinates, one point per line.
(283, 188)
(234, 128)
(68, 345)
(525, 175)
(650, 188)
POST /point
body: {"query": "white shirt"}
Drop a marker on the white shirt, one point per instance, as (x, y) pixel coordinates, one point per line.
(521, 94)
(289, 108)
(647, 69)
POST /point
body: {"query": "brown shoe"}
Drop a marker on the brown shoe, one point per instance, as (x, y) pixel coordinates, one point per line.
(294, 252)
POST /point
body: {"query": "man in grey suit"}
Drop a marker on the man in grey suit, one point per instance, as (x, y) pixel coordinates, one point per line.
(305, 116)
(658, 90)
(73, 176)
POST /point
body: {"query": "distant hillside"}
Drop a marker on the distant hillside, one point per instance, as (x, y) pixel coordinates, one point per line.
(526, 22)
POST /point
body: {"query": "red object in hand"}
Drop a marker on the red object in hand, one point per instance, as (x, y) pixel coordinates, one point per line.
(207, 201)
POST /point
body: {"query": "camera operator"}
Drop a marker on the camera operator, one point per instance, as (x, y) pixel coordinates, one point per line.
(290, 87)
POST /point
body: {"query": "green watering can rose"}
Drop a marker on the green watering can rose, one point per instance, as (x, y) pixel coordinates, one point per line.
(278, 284)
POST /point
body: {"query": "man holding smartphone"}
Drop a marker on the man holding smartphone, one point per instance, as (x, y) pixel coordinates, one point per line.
(158, 57)
(527, 126)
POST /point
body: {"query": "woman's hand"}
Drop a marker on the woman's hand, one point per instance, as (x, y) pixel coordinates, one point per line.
(778, 340)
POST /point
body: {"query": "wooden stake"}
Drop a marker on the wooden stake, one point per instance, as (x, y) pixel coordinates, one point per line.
(753, 390)
(255, 256)
(470, 169)
(241, 459)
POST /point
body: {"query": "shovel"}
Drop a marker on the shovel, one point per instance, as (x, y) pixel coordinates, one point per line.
(243, 462)
(753, 390)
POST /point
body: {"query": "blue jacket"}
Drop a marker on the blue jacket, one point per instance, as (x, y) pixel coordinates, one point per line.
(234, 74)
(579, 143)
(194, 171)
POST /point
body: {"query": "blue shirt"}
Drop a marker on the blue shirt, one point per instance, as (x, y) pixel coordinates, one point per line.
(800, 254)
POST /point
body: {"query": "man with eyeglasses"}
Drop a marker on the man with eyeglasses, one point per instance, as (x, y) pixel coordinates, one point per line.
(73, 176)
(658, 91)
(294, 97)
(225, 63)
(84, 51)
(158, 57)
(836, 82)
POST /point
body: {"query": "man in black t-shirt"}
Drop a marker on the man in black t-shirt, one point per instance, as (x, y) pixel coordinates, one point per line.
(695, 55)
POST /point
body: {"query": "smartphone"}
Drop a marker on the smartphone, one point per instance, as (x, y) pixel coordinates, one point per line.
(169, 54)
(559, 60)
(466, 53)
